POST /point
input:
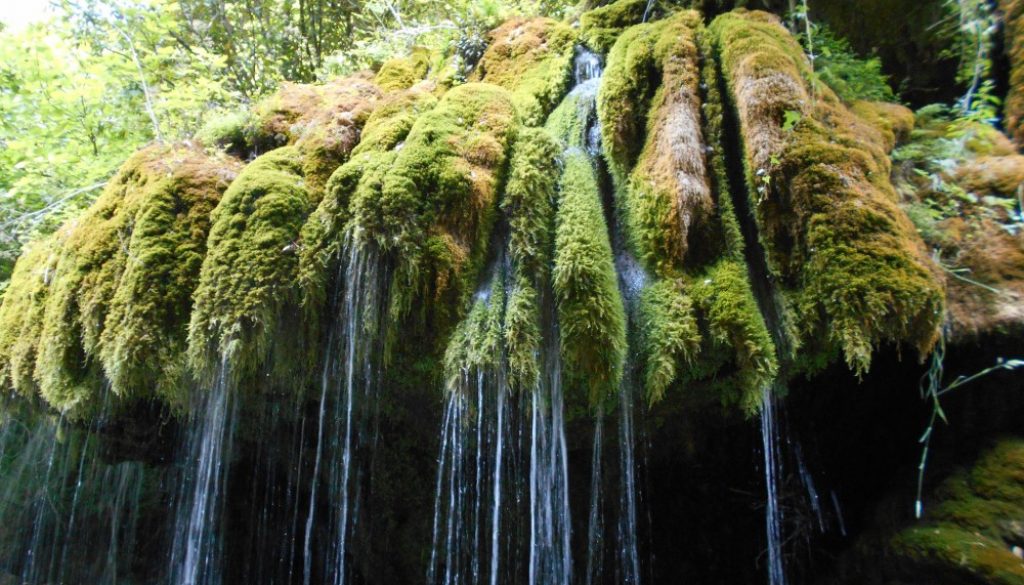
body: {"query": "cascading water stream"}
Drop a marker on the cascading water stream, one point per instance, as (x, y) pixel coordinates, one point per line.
(347, 396)
(773, 471)
(196, 548)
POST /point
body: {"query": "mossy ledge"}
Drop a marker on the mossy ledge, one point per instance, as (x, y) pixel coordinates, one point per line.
(113, 300)
(851, 267)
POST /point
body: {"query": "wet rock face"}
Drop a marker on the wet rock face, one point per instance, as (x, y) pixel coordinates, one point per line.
(599, 252)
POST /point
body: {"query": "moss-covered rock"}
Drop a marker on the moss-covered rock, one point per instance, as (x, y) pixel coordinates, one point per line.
(248, 275)
(1013, 31)
(960, 183)
(532, 58)
(601, 27)
(433, 210)
(671, 337)
(120, 292)
(592, 321)
(528, 205)
(403, 72)
(894, 121)
(22, 311)
(847, 257)
(970, 531)
(668, 194)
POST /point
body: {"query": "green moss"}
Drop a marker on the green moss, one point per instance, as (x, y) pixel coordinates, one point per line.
(894, 121)
(120, 292)
(668, 194)
(231, 132)
(600, 27)
(671, 338)
(434, 210)
(590, 311)
(522, 336)
(143, 340)
(725, 301)
(528, 205)
(392, 119)
(529, 199)
(360, 179)
(532, 58)
(21, 315)
(477, 342)
(976, 520)
(403, 72)
(853, 269)
(249, 272)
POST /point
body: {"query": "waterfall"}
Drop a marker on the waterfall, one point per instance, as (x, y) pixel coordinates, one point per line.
(197, 544)
(348, 388)
(470, 493)
(773, 473)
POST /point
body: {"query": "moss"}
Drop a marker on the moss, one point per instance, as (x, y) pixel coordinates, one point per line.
(143, 340)
(434, 209)
(232, 132)
(850, 263)
(1013, 30)
(894, 121)
(477, 342)
(590, 311)
(671, 337)
(121, 288)
(962, 199)
(249, 272)
(734, 321)
(600, 27)
(326, 139)
(393, 117)
(532, 58)
(21, 315)
(668, 194)
(528, 205)
(529, 199)
(403, 72)
(977, 519)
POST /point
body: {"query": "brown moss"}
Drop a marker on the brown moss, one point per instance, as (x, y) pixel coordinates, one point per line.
(894, 121)
(854, 269)
(532, 58)
(1013, 30)
(991, 175)
(668, 195)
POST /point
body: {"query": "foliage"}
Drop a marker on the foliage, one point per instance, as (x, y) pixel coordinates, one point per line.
(837, 65)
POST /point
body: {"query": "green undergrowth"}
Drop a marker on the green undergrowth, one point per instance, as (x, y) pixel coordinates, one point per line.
(532, 58)
(854, 272)
(974, 522)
